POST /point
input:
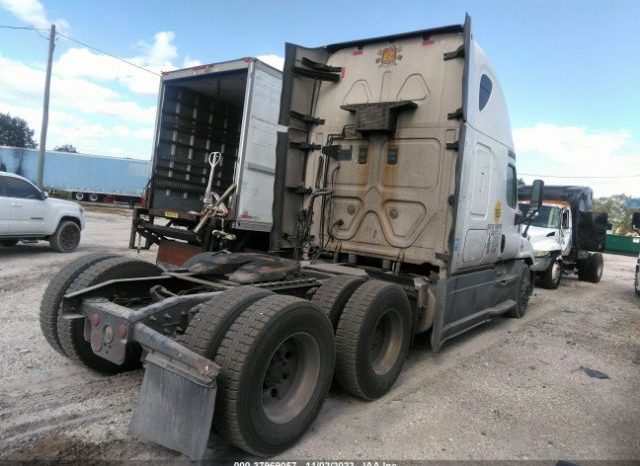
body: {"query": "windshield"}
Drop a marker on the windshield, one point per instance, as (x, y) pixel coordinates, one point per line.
(547, 217)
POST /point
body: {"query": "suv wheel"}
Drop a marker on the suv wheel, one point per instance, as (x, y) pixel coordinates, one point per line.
(66, 237)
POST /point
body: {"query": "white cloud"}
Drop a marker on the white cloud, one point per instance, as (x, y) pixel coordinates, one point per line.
(190, 62)
(156, 57)
(23, 84)
(274, 60)
(562, 154)
(33, 13)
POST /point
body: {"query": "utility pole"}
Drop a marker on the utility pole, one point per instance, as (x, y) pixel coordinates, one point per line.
(45, 107)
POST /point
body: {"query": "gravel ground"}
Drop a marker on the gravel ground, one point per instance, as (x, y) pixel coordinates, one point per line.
(511, 389)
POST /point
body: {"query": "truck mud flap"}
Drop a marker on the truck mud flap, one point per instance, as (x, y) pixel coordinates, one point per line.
(177, 398)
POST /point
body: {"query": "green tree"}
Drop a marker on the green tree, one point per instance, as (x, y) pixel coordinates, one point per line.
(66, 148)
(616, 207)
(15, 132)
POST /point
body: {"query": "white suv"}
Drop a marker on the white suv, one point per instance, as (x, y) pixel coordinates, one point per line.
(27, 213)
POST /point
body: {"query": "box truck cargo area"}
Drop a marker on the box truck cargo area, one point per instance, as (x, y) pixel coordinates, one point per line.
(227, 112)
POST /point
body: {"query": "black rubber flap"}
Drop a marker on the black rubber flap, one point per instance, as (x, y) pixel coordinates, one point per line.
(174, 411)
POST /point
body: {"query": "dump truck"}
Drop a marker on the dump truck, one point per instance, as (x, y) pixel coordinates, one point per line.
(567, 236)
(213, 161)
(394, 214)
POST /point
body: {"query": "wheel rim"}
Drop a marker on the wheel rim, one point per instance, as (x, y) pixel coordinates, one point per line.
(79, 196)
(68, 238)
(386, 342)
(556, 272)
(93, 197)
(290, 378)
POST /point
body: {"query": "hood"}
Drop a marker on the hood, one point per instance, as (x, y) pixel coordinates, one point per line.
(540, 239)
(63, 204)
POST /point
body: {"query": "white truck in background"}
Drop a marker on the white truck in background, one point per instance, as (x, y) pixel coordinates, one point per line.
(566, 235)
(28, 214)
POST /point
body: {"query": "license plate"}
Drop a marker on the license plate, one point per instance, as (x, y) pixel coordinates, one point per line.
(171, 214)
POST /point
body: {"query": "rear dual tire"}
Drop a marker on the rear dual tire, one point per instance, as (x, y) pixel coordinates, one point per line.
(277, 359)
(590, 269)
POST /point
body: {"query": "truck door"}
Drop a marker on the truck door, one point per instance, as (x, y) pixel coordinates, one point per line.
(28, 209)
(565, 231)
(5, 209)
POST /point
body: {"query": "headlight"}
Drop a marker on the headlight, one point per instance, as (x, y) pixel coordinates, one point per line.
(540, 253)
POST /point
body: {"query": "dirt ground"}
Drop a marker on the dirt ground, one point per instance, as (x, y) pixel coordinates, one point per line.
(511, 389)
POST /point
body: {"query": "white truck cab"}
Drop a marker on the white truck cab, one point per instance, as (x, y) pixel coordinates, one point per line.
(28, 214)
(565, 234)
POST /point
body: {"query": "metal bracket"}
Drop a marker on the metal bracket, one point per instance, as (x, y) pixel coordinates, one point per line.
(457, 53)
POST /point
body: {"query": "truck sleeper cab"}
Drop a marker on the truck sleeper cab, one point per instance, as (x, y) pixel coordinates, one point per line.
(394, 213)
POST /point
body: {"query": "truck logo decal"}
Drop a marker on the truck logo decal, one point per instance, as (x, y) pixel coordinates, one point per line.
(497, 212)
(389, 56)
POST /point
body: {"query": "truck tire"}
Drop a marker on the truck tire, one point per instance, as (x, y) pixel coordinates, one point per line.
(636, 282)
(591, 268)
(550, 278)
(66, 237)
(277, 363)
(332, 295)
(213, 318)
(78, 196)
(71, 332)
(8, 243)
(55, 291)
(522, 299)
(93, 197)
(372, 339)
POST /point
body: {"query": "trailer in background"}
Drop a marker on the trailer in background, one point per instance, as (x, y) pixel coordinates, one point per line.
(86, 177)
(223, 114)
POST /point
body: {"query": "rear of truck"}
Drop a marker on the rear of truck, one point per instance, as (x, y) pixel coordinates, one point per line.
(229, 109)
(393, 214)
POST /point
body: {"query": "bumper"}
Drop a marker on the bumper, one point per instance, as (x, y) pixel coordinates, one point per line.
(540, 264)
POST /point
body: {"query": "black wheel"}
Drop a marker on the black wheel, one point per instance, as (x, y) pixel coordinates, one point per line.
(66, 237)
(522, 299)
(213, 318)
(57, 288)
(8, 243)
(277, 363)
(372, 339)
(332, 295)
(591, 268)
(93, 197)
(79, 196)
(550, 278)
(636, 282)
(71, 332)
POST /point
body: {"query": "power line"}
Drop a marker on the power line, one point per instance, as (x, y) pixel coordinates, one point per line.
(31, 28)
(108, 54)
(4, 26)
(581, 177)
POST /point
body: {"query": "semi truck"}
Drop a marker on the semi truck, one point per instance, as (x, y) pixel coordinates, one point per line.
(394, 214)
(91, 178)
(213, 161)
(567, 236)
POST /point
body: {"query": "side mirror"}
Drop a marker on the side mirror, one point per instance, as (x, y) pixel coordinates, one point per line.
(537, 190)
(635, 221)
(43, 195)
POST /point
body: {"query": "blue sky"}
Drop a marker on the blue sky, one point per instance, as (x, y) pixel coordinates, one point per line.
(569, 69)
